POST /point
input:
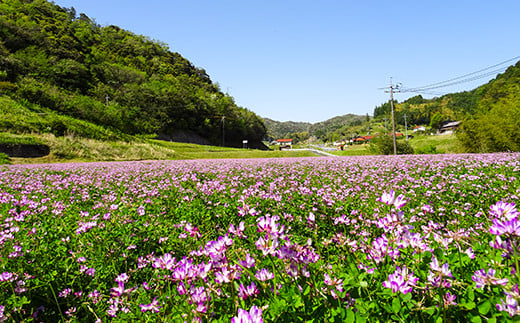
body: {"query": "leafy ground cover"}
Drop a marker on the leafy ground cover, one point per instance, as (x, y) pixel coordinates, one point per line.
(408, 238)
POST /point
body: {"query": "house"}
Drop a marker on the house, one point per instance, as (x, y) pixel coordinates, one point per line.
(449, 127)
(361, 139)
(284, 143)
(419, 128)
(340, 144)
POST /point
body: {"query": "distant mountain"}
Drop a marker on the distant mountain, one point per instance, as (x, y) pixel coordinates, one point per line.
(321, 129)
(277, 129)
(58, 63)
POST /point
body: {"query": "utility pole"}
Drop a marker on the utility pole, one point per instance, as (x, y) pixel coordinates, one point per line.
(223, 131)
(405, 127)
(393, 88)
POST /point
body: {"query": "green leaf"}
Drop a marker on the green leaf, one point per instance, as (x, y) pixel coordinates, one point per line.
(469, 305)
(396, 305)
(407, 297)
(363, 284)
(471, 294)
(476, 319)
(297, 301)
(360, 318)
(484, 307)
(351, 316)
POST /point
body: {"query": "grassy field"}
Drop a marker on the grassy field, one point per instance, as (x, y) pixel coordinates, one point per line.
(438, 144)
(77, 149)
(355, 150)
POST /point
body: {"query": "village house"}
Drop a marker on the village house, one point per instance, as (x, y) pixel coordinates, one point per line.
(449, 127)
(419, 129)
(284, 143)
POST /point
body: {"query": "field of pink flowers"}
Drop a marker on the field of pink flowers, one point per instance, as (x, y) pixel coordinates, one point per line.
(407, 238)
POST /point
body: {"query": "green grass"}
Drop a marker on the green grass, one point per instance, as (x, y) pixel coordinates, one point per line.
(77, 149)
(353, 150)
(436, 144)
(10, 138)
(194, 151)
(440, 144)
(4, 159)
(22, 117)
(72, 140)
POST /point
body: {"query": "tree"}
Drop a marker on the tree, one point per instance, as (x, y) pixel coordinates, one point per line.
(437, 120)
(382, 110)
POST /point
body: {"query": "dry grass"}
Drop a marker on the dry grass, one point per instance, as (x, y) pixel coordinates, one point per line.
(76, 149)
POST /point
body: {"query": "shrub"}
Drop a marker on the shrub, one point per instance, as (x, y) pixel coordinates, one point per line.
(384, 145)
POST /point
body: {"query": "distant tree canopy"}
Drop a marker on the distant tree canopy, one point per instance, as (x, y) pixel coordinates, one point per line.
(112, 77)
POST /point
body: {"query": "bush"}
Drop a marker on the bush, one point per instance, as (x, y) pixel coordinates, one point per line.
(384, 145)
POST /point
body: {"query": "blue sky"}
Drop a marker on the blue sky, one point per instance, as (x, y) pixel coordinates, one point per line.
(313, 60)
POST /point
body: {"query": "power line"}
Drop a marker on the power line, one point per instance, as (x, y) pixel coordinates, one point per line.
(469, 74)
(470, 79)
(464, 78)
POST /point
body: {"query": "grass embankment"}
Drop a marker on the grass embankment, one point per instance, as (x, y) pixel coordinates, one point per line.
(435, 144)
(77, 149)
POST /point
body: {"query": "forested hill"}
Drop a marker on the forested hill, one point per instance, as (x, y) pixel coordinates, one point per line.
(55, 61)
(490, 114)
(303, 130)
(284, 129)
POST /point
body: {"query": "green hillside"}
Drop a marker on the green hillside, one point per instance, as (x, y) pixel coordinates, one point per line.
(324, 130)
(75, 77)
(285, 129)
(490, 114)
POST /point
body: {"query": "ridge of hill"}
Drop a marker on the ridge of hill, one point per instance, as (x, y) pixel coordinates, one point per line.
(64, 65)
